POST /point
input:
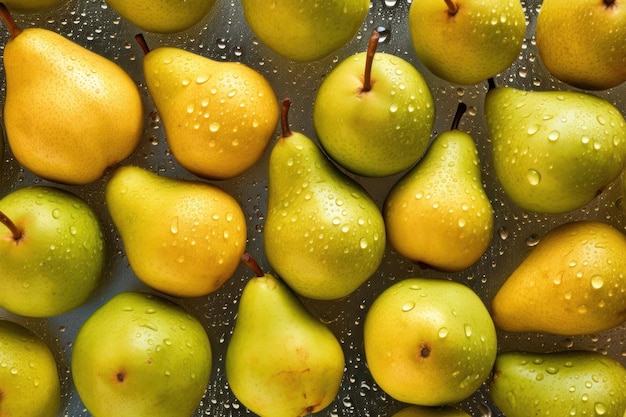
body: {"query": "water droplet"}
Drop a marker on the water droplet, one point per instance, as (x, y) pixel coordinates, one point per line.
(408, 306)
(504, 233)
(443, 332)
(533, 177)
(363, 243)
(56, 213)
(533, 129)
(532, 240)
(174, 225)
(599, 408)
(553, 136)
(214, 127)
(468, 330)
(597, 281)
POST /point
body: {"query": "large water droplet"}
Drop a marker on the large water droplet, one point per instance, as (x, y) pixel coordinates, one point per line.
(408, 306)
(597, 281)
(533, 176)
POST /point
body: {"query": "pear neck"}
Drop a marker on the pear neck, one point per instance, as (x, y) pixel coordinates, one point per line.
(5, 15)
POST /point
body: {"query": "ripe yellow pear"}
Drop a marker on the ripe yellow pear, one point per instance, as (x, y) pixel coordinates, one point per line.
(30, 6)
(572, 283)
(69, 113)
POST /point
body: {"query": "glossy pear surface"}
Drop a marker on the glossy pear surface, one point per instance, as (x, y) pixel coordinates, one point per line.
(305, 30)
(141, 355)
(30, 6)
(218, 116)
(429, 342)
(558, 384)
(553, 151)
(419, 411)
(323, 235)
(184, 238)
(162, 16)
(57, 262)
(281, 360)
(73, 120)
(29, 381)
(476, 42)
(438, 214)
(571, 283)
(583, 43)
(381, 131)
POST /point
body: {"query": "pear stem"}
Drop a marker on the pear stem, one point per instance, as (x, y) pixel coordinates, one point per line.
(251, 263)
(460, 110)
(141, 40)
(15, 231)
(372, 45)
(452, 7)
(5, 14)
(284, 118)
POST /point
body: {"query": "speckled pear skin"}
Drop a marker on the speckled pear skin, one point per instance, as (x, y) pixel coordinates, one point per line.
(31, 6)
(554, 151)
(419, 411)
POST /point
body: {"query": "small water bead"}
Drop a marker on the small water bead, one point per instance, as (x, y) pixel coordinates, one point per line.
(599, 408)
(532, 240)
(56, 213)
(443, 332)
(533, 176)
(554, 136)
(468, 330)
(597, 282)
(408, 306)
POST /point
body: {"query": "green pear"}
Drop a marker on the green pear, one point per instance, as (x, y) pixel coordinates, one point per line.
(141, 355)
(29, 381)
(52, 251)
(438, 214)
(304, 30)
(571, 283)
(429, 342)
(218, 116)
(419, 411)
(184, 238)
(581, 383)
(467, 41)
(73, 120)
(281, 360)
(554, 151)
(323, 235)
(374, 113)
(162, 16)
(583, 43)
(30, 6)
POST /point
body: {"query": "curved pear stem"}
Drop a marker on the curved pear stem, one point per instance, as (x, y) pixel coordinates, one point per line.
(251, 263)
(452, 7)
(609, 4)
(141, 40)
(372, 45)
(284, 118)
(15, 231)
(5, 15)
(460, 111)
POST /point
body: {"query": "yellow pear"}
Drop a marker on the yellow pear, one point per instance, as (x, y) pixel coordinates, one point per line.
(572, 283)
(30, 6)
(69, 113)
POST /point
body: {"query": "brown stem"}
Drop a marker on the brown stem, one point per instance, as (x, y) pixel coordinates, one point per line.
(5, 15)
(284, 119)
(609, 4)
(251, 263)
(460, 110)
(141, 40)
(371, 51)
(452, 7)
(15, 231)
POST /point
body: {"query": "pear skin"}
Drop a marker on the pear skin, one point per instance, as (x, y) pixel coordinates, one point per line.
(31, 6)
(566, 383)
(419, 411)
(73, 120)
(571, 283)
(184, 238)
(218, 116)
(281, 360)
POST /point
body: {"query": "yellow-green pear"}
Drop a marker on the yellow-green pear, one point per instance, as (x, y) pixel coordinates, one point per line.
(324, 235)
(162, 16)
(467, 41)
(571, 283)
(184, 238)
(281, 360)
(439, 214)
(218, 116)
(30, 6)
(429, 342)
(374, 113)
(554, 151)
(305, 30)
(420, 411)
(583, 42)
(568, 383)
(29, 380)
(141, 355)
(69, 112)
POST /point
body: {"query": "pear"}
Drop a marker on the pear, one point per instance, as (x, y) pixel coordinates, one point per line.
(419, 411)
(582, 42)
(429, 342)
(374, 113)
(567, 383)
(141, 355)
(281, 360)
(73, 120)
(304, 30)
(52, 251)
(323, 235)
(162, 16)
(571, 283)
(29, 380)
(184, 238)
(30, 6)
(467, 41)
(554, 151)
(218, 116)
(438, 214)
